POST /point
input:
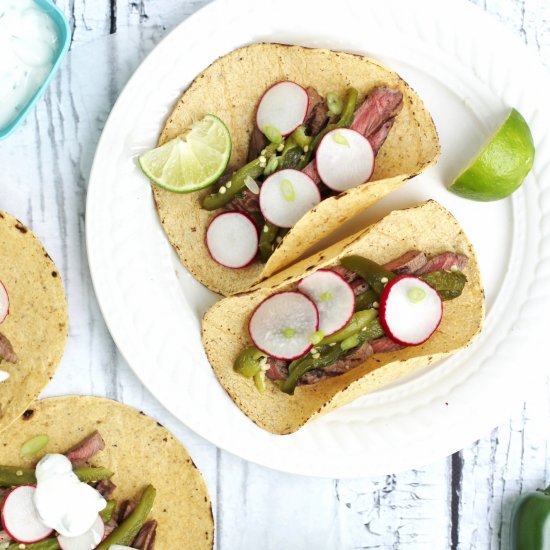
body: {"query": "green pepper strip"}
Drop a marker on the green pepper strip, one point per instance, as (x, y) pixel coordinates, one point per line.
(12, 476)
(344, 121)
(300, 137)
(253, 169)
(126, 532)
(365, 300)
(449, 284)
(107, 512)
(372, 272)
(47, 544)
(357, 322)
(248, 363)
(328, 355)
(267, 240)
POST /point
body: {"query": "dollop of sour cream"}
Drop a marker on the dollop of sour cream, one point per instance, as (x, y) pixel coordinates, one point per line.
(62, 501)
(28, 44)
(4, 375)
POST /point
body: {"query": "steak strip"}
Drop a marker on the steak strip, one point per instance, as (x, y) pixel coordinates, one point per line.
(85, 450)
(145, 539)
(105, 488)
(6, 350)
(444, 261)
(125, 509)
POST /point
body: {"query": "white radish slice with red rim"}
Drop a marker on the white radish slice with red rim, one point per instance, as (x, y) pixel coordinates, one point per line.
(88, 540)
(20, 518)
(410, 310)
(232, 239)
(286, 196)
(344, 159)
(4, 302)
(282, 109)
(282, 325)
(333, 297)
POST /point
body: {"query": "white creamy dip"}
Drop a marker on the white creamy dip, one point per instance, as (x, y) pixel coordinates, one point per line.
(28, 43)
(62, 501)
(4, 375)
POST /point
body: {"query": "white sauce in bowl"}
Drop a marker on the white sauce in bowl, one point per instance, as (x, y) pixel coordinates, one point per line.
(28, 44)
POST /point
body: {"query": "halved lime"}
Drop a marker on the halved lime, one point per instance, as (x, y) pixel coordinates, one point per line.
(191, 161)
(502, 164)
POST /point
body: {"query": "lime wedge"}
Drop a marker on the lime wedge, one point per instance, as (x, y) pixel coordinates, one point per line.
(501, 166)
(191, 161)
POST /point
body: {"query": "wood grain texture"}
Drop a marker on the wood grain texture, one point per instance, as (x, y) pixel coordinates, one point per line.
(462, 502)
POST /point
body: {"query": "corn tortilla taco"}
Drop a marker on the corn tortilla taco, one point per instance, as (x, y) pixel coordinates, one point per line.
(34, 312)
(385, 111)
(423, 246)
(130, 453)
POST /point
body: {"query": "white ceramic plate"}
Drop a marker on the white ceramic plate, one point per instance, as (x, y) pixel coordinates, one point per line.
(468, 70)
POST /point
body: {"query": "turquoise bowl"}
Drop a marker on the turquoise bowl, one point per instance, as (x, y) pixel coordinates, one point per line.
(64, 41)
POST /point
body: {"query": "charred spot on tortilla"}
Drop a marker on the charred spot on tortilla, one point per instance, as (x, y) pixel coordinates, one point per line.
(27, 415)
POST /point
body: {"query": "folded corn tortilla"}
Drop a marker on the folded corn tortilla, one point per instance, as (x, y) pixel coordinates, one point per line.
(427, 227)
(37, 323)
(137, 449)
(231, 88)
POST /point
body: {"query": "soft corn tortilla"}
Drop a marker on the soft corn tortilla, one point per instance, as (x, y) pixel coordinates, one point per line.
(428, 227)
(37, 323)
(137, 449)
(231, 88)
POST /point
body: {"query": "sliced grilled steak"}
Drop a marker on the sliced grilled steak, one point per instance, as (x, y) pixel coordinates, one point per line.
(247, 204)
(82, 452)
(379, 106)
(350, 361)
(110, 526)
(317, 113)
(258, 142)
(359, 286)
(410, 262)
(105, 488)
(278, 369)
(384, 345)
(377, 139)
(348, 276)
(125, 509)
(447, 260)
(145, 539)
(6, 350)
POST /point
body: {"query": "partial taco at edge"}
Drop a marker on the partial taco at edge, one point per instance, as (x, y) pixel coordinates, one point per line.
(33, 318)
(401, 294)
(358, 122)
(86, 472)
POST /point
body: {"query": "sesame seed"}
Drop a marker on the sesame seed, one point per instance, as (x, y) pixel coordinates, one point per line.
(302, 157)
(281, 147)
(19, 473)
(375, 305)
(454, 268)
(263, 152)
(384, 280)
(262, 159)
(306, 148)
(228, 184)
(222, 190)
(266, 229)
(332, 344)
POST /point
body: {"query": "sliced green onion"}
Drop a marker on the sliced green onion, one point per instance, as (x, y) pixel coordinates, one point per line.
(288, 191)
(301, 138)
(334, 103)
(325, 296)
(350, 342)
(34, 445)
(340, 139)
(416, 295)
(272, 134)
(272, 165)
(316, 337)
(252, 185)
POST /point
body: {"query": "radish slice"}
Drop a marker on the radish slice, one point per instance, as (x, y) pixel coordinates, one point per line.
(4, 302)
(344, 159)
(286, 196)
(88, 540)
(282, 324)
(20, 518)
(232, 239)
(410, 310)
(333, 297)
(282, 109)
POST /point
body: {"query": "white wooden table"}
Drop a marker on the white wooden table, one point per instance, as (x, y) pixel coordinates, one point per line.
(460, 502)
